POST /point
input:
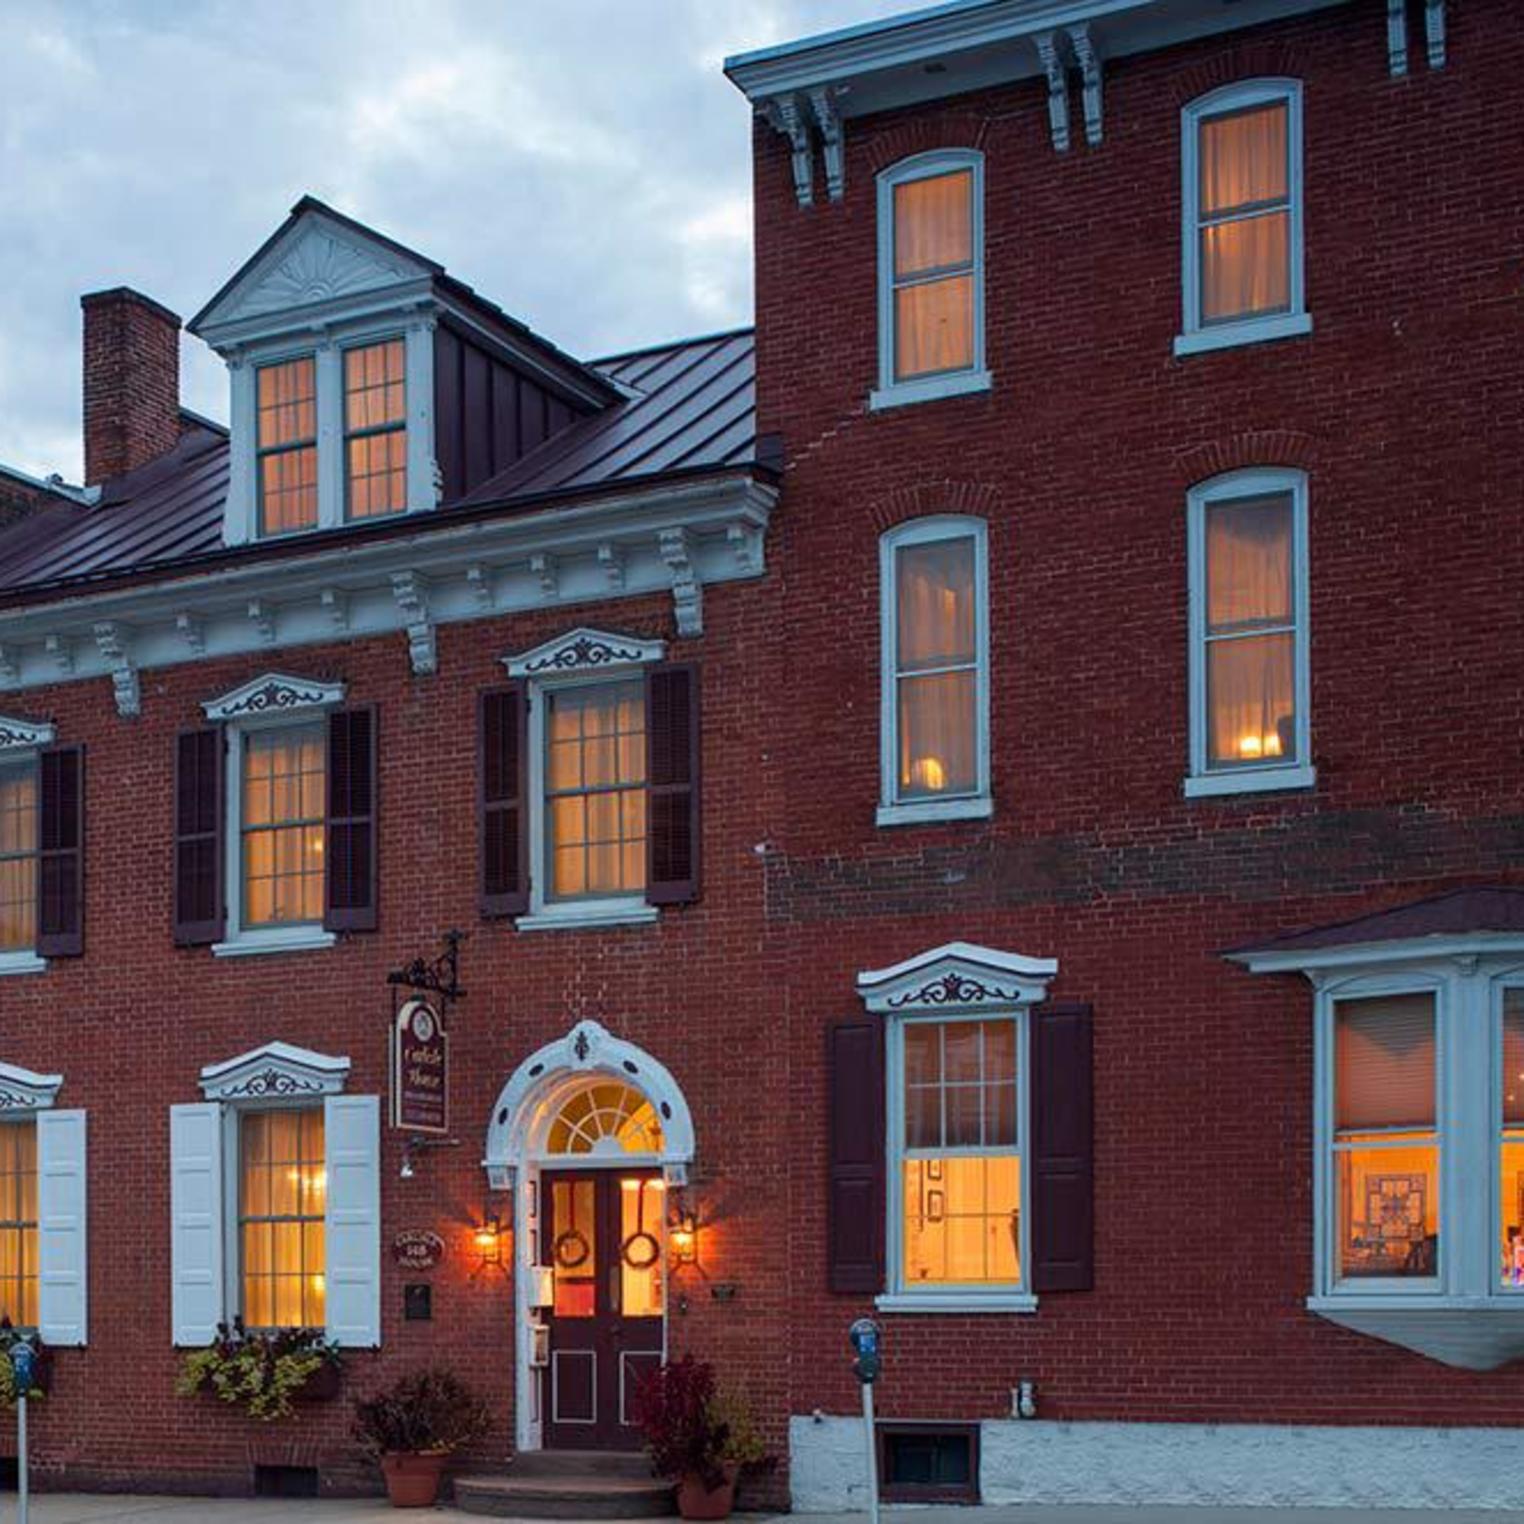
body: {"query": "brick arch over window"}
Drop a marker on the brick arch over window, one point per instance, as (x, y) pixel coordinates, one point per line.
(919, 500)
(1233, 65)
(903, 141)
(1253, 447)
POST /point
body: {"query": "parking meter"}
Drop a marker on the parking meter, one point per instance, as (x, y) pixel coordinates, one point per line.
(23, 1355)
(865, 1334)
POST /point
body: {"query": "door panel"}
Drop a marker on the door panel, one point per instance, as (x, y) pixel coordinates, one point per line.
(605, 1242)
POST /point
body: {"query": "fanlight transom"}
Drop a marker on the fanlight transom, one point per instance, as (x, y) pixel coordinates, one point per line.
(608, 1118)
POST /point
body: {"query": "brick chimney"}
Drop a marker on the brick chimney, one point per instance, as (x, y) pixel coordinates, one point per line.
(132, 382)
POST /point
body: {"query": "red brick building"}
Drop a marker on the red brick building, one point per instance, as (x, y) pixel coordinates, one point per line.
(993, 804)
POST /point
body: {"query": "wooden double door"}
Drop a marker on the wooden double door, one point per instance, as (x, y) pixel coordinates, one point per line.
(605, 1241)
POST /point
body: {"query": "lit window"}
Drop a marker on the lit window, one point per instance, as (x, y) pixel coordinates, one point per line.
(960, 1156)
(931, 278)
(595, 789)
(1243, 216)
(283, 824)
(282, 1202)
(1511, 1148)
(1249, 683)
(18, 1222)
(18, 857)
(375, 429)
(935, 671)
(606, 1118)
(287, 446)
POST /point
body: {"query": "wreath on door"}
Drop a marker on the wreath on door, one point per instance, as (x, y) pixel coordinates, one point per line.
(641, 1249)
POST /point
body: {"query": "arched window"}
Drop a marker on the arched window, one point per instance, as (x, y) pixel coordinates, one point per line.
(605, 1118)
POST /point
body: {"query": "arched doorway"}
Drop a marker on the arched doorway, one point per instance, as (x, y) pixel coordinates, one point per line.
(590, 1134)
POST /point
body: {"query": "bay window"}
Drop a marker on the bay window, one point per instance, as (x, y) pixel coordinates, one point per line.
(935, 677)
(1242, 226)
(375, 429)
(287, 452)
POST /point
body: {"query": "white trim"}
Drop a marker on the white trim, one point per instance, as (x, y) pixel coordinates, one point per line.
(20, 738)
(1397, 952)
(272, 696)
(1230, 487)
(23, 1091)
(583, 650)
(582, 915)
(956, 975)
(959, 1301)
(1283, 325)
(1239, 96)
(975, 376)
(262, 940)
(277, 1071)
(976, 804)
(21, 961)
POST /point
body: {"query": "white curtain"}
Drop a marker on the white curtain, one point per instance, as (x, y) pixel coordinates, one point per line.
(936, 661)
(1244, 192)
(933, 317)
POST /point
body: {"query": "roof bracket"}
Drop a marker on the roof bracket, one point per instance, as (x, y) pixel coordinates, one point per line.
(193, 632)
(10, 664)
(545, 570)
(61, 649)
(262, 617)
(1058, 89)
(611, 560)
(111, 641)
(832, 140)
(411, 593)
(335, 606)
(479, 580)
(784, 113)
(687, 591)
(1090, 78)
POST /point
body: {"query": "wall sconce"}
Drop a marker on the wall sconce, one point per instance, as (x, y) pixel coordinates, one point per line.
(682, 1238)
(489, 1243)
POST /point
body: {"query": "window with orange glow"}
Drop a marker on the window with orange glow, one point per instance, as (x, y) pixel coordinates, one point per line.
(375, 429)
(1386, 1137)
(1511, 1143)
(960, 1153)
(286, 457)
(283, 1188)
(1244, 213)
(18, 856)
(283, 814)
(934, 275)
(18, 1223)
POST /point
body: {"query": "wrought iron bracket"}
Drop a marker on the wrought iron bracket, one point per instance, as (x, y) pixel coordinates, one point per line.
(437, 976)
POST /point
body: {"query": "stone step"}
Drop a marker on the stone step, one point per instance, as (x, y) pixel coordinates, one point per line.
(630, 1463)
(581, 1495)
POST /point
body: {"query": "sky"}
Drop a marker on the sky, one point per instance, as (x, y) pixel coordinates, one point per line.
(583, 163)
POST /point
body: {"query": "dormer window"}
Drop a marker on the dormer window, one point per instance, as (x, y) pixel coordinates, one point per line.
(288, 455)
(375, 429)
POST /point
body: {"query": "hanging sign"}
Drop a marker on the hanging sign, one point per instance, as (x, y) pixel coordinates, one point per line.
(417, 1249)
(420, 1070)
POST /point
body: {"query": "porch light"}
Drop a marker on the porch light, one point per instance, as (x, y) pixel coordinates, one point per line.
(682, 1238)
(489, 1242)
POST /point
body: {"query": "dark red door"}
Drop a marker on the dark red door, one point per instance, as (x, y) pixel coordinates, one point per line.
(605, 1244)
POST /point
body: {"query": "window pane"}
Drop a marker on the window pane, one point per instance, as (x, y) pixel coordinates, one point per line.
(934, 327)
(923, 1053)
(574, 1249)
(1243, 159)
(287, 402)
(962, 1221)
(641, 1203)
(288, 490)
(1249, 563)
(18, 903)
(377, 470)
(936, 738)
(933, 223)
(934, 622)
(1513, 1057)
(1511, 1155)
(284, 802)
(1250, 700)
(1389, 1209)
(1385, 1063)
(373, 385)
(1246, 267)
(18, 809)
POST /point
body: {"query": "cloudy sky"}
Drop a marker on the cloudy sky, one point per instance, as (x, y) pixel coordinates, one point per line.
(584, 163)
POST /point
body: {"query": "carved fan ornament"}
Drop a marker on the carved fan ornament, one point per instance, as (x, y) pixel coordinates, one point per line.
(318, 269)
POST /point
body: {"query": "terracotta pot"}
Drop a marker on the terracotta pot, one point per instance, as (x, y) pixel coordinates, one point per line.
(696, 1501)
(412, 1478)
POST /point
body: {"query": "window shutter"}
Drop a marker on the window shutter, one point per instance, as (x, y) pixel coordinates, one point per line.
(199, 913)
(352, 1130)
(672, 787)
(350, 856)
(62, 1286)
(855, 1210)
(1063, 1184)
(196, 1226)
(502, 748)
(61, 852)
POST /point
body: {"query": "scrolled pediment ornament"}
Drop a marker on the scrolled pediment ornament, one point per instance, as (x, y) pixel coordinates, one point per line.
(583, 650)
(953, 989)
(273, 693)
(23, 735)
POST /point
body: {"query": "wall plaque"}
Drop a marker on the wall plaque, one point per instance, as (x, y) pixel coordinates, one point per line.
(420, 1070)
(417, 1249)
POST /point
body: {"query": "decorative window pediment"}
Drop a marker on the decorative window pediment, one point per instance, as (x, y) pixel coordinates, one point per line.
(22, 1090)
(956, 976)
(273, 693)
(583, 650)
(23, 735)
(277, 1071)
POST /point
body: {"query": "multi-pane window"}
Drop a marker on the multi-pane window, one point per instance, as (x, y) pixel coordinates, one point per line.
(595, 794)
(1386, 1139)
(18, 856)
(18, 1223)
(1511, 1140)
(282, 820)
(287, 455)
(959, 1153)
(375, 429)
(283, 1186)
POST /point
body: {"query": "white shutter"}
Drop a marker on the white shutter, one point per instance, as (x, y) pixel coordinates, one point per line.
(352, 1139)
(196, 1225)
(62, 1286)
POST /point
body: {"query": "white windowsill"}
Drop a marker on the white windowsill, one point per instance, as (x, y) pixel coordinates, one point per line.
(281, 939)
(578, 915)
(1468, 1332)
(1284, 325)
(23, 961)
(956, 1301)
(924, 811)
(1251, 780)
(928, 389)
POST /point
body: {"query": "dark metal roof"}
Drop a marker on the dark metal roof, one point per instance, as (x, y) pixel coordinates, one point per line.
(688, 408)
(1456, 912)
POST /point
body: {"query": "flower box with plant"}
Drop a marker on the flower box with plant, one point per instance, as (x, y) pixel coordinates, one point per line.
(699, 1436)
(412, 1428)
(263, 1371)
(42, 1371)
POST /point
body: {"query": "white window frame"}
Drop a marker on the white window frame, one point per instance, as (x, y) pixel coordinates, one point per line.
(891, 392)
(977, 804)
(1202, 779)
(21, 744)
(1195, 336)
(372, 341)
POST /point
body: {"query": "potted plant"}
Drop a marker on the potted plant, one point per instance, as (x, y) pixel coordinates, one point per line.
(698, 1436)
(264, 1372)
(41, 1371)
(413, 1426)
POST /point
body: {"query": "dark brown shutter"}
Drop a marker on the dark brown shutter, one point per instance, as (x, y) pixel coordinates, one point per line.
(350, 855)
(199, 910)
(1063, 1183)
(502, 751)
(61, 852)
(855, 1208)
(672, 787)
